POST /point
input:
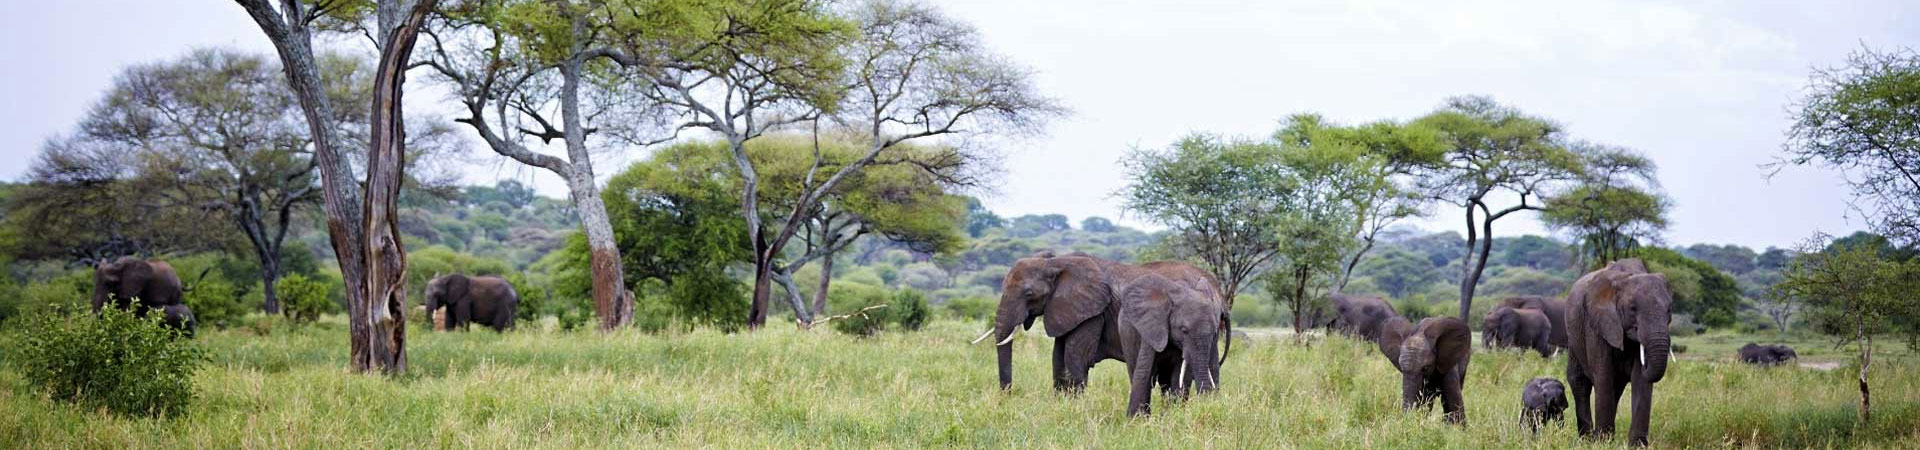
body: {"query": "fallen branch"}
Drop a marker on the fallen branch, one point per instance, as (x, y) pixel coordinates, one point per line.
(862, 313)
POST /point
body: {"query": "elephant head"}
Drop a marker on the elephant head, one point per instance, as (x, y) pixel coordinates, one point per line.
(1066, 290)
(1433, 363)
(1626, 302)
(1497, 327)
(1161, 313)
(447, 292)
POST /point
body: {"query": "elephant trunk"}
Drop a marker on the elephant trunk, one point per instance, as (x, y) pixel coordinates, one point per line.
(1206, 368)
(1657, 350)
(1012, 311)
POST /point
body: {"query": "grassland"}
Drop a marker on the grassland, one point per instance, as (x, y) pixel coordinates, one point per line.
(792, 389)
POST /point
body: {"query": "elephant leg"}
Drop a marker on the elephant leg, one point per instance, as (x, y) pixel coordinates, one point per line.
(1080, 351)
(1060, 367)
(462, 313)
(1141, 369)
(1451, 402)
(1606, 407)
(1582, 388)
(1642, 412)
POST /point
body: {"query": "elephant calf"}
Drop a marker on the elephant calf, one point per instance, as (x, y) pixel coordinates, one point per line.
(1165, 325)
(1542, 400)
(1767, 355)
(1433, 361)
(179, 317)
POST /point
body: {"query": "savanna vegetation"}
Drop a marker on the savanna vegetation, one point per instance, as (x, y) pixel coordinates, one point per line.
(801, 253)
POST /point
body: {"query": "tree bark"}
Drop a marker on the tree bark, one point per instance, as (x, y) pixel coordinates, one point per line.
(826, 277)
(293, 41)
(615, 310)
(1467, 276)
(384, 306)
(1866, 359)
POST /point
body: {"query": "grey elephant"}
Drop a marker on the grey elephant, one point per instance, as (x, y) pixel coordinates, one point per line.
(1166, 325)
(1766, 355)
(1076, 296)
(135, 284)
(1542, 400)
(179, 317)
(1554, 308)
(1505, 327)
(487, 300)
(1617, 334)
(1361, 316)
(1432, 358)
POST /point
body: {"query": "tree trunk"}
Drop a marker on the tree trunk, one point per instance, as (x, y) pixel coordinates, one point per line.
(1300, 276)
(1866, 359)
(1468, 276)
(384, 306)
(762, 291)
(1346, 273)
(293, 41)
(614, 309)
(1479, 265)
(826, 277)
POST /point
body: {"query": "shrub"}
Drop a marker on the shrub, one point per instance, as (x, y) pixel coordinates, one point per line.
(1414, 308)
(852, 305)
(971, 308)
(112, 360)
(303, 299)
(70, 293)
(909, 309)
(215, 302)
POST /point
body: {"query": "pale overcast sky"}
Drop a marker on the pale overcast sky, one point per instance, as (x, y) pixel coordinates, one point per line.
(1701, 86)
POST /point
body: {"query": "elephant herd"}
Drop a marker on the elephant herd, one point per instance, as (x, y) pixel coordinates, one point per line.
(1156, 316)
(142, 285)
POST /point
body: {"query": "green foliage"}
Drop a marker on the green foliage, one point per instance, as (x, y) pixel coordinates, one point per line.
(67, 293)
(1712, 297)
(1852, 290)
(1033, 225)
(971, 308)
(217, 303)
(1859, 119)
(1397, 271)
(909, 309)
(112, 360)
(709, 298)
(1415, 308)
(861, 310)
(304, 299)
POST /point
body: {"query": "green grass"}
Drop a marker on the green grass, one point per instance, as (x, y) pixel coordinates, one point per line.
(786, 388)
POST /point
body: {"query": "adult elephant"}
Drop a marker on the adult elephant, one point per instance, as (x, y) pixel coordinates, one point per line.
(1165, 325)
(1076, 295)
(486, 300)
(1617, 334)
(1554, 308)
(1766, 355)
(1432, 359)
(1361, 315)
(1505, 327)
(130, 281)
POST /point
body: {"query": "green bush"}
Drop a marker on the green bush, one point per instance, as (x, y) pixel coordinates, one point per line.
(909, 309)
(853, 308)
(112, 360)
(215, 302)
(1414, 308)
(69, 293)
(304, 299)
(971, 308)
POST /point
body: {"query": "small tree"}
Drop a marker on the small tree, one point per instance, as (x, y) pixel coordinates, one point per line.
(1859, 119)
(1615, 208)
(1225, 200)
(1852, 292)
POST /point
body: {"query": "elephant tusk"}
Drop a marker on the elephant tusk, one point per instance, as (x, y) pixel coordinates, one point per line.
(1183, 372)
(1211, 381)
(1643, 355)
(1009, 338)
(983, 336)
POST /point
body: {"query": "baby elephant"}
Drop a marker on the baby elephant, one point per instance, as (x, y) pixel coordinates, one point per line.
(1766, 355)
(1432, 357)
(1541, 401)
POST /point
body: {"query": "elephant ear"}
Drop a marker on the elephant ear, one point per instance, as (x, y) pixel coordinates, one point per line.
(457, 287)
(1603, 309)
(1079, 293)
(1146, 308)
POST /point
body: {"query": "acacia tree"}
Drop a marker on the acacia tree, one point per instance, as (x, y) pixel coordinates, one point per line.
(1615, 208)
(1226, 201)
(220, 135)
(894, 72)
(1864, 119)
(1854, 292)
(544, 71)
(84, 201)
(1382, 195)
(363, 232)
(1493, 153)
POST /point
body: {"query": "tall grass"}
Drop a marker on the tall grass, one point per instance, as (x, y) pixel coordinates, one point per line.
(791, 389)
